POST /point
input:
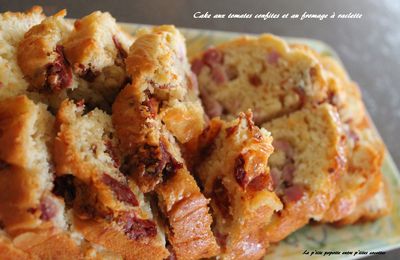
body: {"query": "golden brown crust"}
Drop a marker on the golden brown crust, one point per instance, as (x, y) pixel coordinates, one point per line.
(14, 115)
(110, 237)
(377, 205)
(188, 217)
(9, 252)
(48, 243)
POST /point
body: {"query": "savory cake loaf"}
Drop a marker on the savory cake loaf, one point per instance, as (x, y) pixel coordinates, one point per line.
(233, 171)
(263, 74)
(32, 217)
(153, 115)
(305, 167)
(107, 209)
(13, 26)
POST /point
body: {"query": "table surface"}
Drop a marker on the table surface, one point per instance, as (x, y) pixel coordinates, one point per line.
(368, 47)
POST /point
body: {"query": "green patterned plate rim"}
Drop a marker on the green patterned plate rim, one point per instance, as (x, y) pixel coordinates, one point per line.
(379, 236)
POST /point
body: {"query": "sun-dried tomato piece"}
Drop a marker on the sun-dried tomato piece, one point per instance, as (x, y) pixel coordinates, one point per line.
(122, 191)
(58, 73)
(221, 197)
(240, 172)
(255, 80)
(261, 182)
(136, 228)
(122, 54)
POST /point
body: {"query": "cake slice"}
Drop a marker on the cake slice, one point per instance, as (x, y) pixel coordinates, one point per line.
(81, 61)
(32, 217)
(262, 74)
(96, 51)
(364, 150)
(232, 167)
(107, 209)
(41, 56)
(305, 167)
(13, 26)
(153, 116)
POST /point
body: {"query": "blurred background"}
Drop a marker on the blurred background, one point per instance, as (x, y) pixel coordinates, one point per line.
(369, 47)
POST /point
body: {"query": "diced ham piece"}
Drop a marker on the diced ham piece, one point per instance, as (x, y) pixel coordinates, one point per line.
(284, 146)
(273, 57)
(288, 173)
(218, 75)
(136, 228)
(212, 57)
(197, 66)
(294, 193)
(276, 177)
(213, 107)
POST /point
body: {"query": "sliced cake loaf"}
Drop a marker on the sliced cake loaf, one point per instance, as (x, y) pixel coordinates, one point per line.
(263, 74)
(107, 209)
(153, 115)
(232, 167)
(305, 167)
(31, 215)
(12, 29)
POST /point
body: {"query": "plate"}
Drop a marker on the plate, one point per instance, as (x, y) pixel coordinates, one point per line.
(350, 242)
